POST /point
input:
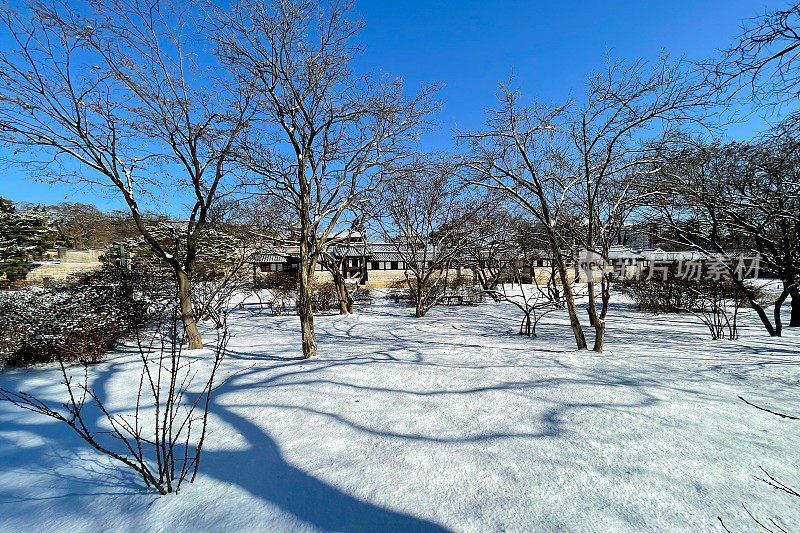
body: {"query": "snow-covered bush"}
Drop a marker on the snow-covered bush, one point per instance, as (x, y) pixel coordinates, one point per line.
(79, 321)
(23, 236)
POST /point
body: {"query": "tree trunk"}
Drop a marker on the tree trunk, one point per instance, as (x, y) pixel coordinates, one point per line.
(757, 307)
(794, 321)
(345, 302)
(187, 314)
(764, 318)
(577, 330)
(304, 308)
(599, 335)
(600, 320)
(420, 310)
(776, 312)
(592, 309)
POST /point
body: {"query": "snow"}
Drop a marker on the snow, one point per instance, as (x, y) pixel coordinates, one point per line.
(449, 422)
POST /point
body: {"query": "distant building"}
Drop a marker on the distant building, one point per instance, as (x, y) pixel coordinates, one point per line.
(374, 263)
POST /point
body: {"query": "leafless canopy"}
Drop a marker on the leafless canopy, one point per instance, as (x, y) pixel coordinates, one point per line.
(427, 212)
(321, 134)
(119, 94)
(763, 60)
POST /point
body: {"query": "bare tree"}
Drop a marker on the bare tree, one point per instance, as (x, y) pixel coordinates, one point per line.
(114, 94)
(322, 133)
(522, 151)
(747, 197)
(535, 302)
(426, 211)
(490, 250)
(334, 259)
(626, 106)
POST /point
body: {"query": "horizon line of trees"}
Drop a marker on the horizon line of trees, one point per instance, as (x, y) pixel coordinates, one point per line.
(257, 103)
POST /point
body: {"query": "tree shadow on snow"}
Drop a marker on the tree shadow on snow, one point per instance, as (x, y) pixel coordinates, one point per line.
(261, 470)
(62, 461)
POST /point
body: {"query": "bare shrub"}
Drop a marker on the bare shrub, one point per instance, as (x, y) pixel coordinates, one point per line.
(276, 291)
(161, 436)
(361, 295)
(214, 294)
(279, 281)
(324, 297)
(715, 302)
(535, 302)
(660, 294)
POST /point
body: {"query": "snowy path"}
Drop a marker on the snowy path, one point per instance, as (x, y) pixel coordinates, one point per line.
(450, 422)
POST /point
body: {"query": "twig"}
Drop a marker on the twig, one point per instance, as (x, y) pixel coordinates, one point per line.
(782, 415)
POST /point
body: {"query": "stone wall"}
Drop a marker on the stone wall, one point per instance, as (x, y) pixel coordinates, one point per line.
(69, 262)
(79, 256)
(59, 272)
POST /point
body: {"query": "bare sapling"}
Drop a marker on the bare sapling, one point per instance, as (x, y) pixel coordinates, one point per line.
(161, 435)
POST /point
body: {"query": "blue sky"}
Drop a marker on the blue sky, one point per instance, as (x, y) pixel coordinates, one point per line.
(471, 45)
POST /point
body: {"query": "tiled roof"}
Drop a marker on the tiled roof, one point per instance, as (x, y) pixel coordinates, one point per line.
(386, 256)
(267, 256)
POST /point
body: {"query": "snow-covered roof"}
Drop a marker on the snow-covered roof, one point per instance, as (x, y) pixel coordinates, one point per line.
(618, 252)
(658, 254)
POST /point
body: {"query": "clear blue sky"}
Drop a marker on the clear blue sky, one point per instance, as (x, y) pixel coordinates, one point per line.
(471, 45)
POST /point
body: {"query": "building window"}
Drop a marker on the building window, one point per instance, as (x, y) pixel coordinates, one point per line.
(264, 267)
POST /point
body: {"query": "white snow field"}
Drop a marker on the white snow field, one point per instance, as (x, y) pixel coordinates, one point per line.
(449, 422)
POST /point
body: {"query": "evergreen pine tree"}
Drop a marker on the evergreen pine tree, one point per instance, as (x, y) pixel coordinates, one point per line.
(24, 236)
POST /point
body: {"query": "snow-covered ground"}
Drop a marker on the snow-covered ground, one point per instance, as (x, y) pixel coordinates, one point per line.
(450, 422)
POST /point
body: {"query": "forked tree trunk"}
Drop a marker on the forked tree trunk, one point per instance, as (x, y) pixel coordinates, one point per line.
(525, 326)
(193, 337)
(342, 294)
